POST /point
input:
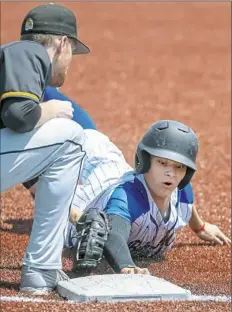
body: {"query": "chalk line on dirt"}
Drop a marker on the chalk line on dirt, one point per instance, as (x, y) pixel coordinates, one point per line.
(208, 298)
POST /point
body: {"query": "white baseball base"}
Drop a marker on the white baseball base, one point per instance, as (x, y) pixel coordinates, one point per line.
(120, 287)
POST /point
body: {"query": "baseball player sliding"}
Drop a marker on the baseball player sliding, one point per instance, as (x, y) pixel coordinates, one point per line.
(38, 138)
(146, 207)
(137, 214)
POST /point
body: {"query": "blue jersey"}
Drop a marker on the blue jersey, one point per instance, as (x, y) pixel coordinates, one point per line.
(79, 115)
(150, 235)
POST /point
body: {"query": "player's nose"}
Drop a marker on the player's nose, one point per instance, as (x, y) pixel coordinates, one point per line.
(170, 172)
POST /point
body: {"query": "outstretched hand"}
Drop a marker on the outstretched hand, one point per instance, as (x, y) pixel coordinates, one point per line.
(213, 234)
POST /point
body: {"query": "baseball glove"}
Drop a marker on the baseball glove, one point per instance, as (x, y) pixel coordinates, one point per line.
(92, 231)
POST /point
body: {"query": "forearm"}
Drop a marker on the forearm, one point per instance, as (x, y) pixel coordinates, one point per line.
(24, 115)
(116, 249)
(47, 112)
(195, 221)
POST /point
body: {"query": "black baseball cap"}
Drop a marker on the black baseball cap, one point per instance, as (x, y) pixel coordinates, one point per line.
(53, 19)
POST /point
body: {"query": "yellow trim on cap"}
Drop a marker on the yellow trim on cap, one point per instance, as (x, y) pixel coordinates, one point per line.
(18, 94)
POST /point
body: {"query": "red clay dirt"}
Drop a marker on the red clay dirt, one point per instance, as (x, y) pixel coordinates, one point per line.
(148, 61)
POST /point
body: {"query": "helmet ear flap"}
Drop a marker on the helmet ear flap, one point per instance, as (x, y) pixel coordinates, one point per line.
(187, 178)
(142, 161)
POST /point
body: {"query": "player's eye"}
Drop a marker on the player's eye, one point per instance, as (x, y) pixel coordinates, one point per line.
(162, 162)
(180, 166)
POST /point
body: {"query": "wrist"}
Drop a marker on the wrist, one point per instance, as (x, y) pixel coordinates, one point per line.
(47, 112)
(199, 229)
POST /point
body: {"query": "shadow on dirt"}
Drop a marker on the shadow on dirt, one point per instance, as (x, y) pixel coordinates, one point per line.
(17, 226)
(200, 244)
(9, 285)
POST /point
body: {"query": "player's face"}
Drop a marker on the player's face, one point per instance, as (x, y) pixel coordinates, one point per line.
(164, 176)
(61, 61)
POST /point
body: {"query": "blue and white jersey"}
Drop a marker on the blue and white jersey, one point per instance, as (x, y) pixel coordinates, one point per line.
(150, 234)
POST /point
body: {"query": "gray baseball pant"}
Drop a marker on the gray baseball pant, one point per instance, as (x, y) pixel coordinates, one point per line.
(54, 153)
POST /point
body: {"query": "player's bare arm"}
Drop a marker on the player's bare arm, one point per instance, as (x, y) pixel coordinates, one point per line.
(54, 109)
(23, 115)
(206, 231)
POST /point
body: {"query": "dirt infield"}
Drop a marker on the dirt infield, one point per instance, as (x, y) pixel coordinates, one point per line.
(148, 61)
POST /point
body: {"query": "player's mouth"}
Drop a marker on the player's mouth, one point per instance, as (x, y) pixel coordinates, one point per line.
(168, 184)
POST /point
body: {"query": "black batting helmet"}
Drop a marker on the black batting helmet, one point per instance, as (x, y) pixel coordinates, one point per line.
(172, 140)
